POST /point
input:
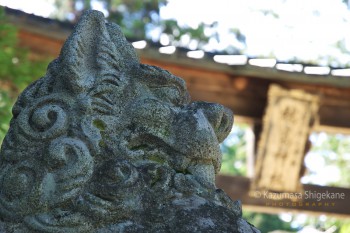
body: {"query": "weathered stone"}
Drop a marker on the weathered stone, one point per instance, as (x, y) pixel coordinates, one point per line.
(103, 144)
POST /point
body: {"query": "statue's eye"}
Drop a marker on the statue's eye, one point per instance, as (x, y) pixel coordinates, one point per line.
(169, 94)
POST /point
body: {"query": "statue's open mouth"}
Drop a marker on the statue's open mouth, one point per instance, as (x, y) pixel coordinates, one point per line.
(192, 146)
(158, 150)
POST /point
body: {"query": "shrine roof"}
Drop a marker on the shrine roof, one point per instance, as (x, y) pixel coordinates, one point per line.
(235, 64)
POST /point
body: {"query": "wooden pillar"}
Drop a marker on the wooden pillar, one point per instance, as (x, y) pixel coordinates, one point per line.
(288, 119)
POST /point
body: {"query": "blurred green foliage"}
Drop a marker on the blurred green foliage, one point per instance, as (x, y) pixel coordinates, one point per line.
(267, 222)
(134, 16)
(5, 113)
(234, 151)
(16, 71)
(334, 152)
(138, 18)
(345, 228)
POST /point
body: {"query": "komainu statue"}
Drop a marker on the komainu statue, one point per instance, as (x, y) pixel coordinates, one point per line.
(105, 144)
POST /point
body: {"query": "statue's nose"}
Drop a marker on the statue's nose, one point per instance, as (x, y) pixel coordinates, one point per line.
(220, 118)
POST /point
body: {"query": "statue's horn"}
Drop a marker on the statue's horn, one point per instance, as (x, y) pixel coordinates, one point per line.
(93, 50)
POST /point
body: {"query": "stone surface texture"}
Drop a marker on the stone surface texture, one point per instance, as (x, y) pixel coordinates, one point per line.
(105, 144)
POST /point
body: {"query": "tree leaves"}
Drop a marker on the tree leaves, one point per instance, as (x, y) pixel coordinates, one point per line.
(16, 71)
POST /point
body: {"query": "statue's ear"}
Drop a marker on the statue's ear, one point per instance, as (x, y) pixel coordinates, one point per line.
(89, 53)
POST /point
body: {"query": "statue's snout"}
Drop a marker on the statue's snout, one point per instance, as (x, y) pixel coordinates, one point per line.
(219, 117)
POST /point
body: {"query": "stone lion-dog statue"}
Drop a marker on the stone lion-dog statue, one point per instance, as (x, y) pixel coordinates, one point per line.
(105, 144)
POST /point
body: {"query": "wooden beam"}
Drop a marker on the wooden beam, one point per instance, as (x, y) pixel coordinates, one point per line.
(242, 88)
(244, 95)
(271, 74)
(334, 108)
(313, 198)
(40, 45)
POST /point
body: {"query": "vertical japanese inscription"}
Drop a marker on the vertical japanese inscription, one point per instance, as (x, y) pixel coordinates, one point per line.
(287, 122)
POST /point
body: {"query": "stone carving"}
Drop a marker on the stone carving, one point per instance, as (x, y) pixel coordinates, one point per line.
(103, 144)
(288, 121)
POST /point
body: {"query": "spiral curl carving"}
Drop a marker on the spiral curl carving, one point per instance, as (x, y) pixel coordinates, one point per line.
(46, 119)
(71, 165)
(18, 183)
(116, 180)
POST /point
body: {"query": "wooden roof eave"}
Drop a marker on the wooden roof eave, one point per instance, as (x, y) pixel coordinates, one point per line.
(243, 88)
